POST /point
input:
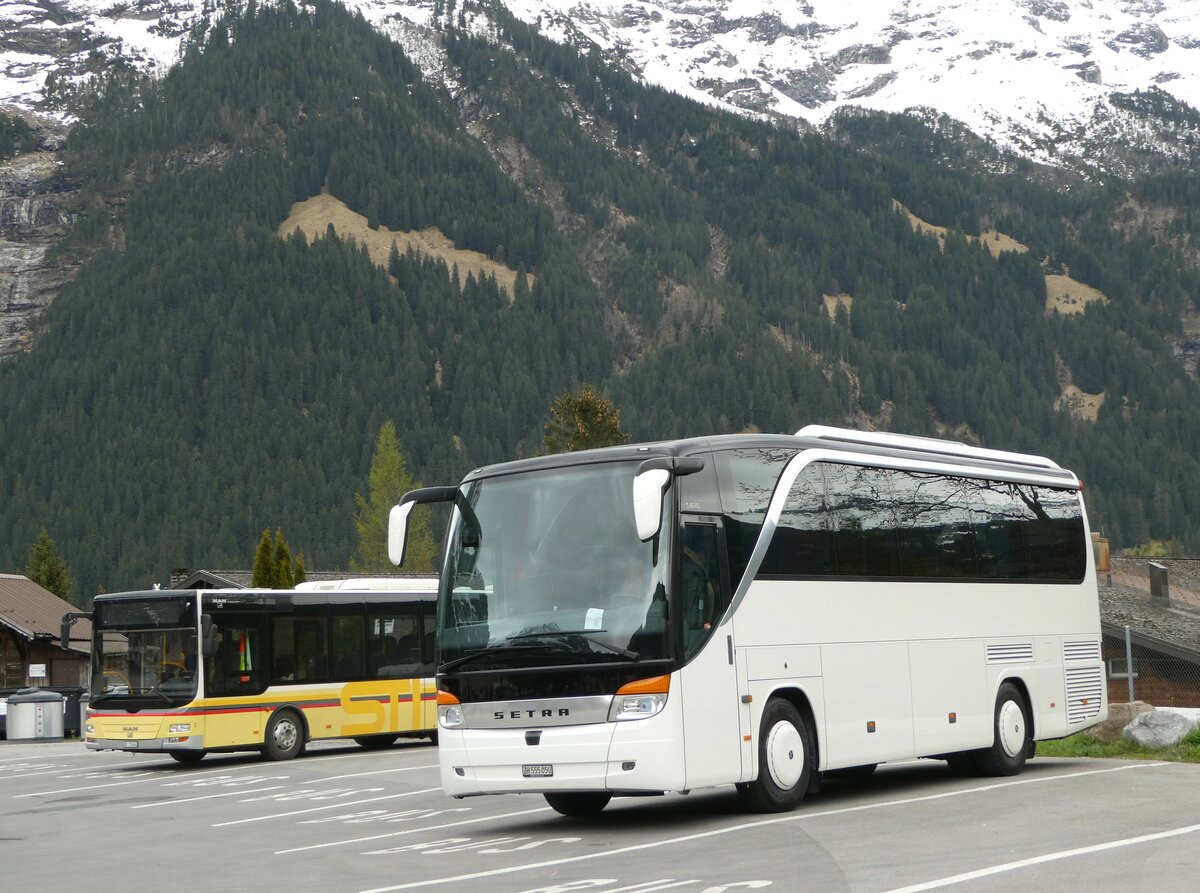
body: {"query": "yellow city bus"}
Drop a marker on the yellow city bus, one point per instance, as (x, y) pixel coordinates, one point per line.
(190, 672)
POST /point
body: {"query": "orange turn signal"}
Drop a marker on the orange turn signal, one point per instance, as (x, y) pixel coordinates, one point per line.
(445, 699)
(655, 685)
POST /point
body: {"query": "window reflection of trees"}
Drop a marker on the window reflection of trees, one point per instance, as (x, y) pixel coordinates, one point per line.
(858, 521)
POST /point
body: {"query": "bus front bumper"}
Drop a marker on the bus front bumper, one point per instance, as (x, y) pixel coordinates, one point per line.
(634, 757)
(145, 745)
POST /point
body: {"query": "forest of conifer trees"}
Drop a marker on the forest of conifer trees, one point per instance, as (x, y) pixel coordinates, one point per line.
(203, 378)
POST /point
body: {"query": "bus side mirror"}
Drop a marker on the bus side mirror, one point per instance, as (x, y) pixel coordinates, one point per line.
(397, 535)
(208, 636)
(68, 620)
(397, 538)
(648, 489)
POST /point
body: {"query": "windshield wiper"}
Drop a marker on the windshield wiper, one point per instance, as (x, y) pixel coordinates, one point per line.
(554, 633)
(485, 652)
(154, 690)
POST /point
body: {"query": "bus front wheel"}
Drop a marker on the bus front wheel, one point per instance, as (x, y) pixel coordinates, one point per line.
(189, 757)
(285, 736)
(784, 760)
(1011, 737)
(581, 803)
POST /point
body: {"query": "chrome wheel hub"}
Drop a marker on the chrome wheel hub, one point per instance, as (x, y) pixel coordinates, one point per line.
(1010, 724)
(785, 755)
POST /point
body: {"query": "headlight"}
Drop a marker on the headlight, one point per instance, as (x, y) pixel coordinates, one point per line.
(181, 727)
(91, 730)
(450, 714)
(636, 706)
(639, 699)
(450, 717)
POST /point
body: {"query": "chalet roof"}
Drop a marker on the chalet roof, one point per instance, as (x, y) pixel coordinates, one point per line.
(1127, 602)
(36, 613)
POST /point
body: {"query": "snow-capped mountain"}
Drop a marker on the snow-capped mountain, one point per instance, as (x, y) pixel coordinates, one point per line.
(1043, 78)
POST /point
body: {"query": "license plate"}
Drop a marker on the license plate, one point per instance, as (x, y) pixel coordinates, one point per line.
(537, 770)
(130, 743)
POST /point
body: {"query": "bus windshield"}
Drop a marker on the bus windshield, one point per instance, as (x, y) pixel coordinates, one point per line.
(145, 652)
(546, 568)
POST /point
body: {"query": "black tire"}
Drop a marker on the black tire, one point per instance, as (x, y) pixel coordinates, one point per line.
(785, 760)
(851, 773)
(1010, 736)
(285, 736)
(187, 757)
(582, 803)
(376, 742)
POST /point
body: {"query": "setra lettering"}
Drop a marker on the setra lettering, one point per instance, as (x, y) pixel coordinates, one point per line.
(543, 713)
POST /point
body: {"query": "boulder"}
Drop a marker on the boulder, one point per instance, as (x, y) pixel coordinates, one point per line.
(1119, 716)
(1161, 728)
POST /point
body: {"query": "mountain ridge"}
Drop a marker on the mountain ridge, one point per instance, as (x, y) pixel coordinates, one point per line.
(1046, 80)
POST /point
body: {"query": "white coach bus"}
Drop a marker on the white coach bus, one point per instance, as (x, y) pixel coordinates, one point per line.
(757, 610)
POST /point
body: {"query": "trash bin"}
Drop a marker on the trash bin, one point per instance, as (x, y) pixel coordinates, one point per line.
(72, 727)
(5, 693)
(35, 714)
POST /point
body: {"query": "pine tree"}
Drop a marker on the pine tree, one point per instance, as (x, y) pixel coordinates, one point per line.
(264, 573)
(46, 568)
(301, 574)
(582, 421)
(389, 480)
(284, 578)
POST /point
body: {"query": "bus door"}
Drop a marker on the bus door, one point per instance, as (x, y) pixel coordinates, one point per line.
(711, 709)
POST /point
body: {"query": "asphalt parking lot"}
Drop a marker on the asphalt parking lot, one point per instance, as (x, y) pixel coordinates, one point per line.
(346, 819)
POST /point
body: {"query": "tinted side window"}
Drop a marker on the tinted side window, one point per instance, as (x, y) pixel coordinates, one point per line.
(1000, 520)
(394, 642)
(747, 479)
(1054, 540)
(349, 641)
(312, 646)
(860, 507)
(934, 525)
(239, 665)
(803, 542)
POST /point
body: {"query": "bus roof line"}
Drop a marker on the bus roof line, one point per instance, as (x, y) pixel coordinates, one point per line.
(921, 444)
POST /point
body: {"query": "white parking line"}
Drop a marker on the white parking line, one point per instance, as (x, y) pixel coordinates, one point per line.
(751, 826)
(149, 774)
(1038, 860)
(207, 797)
(93, 787)
(284, 815)
(486, 818)
(59, 772)
(57, 756)
(375, 772)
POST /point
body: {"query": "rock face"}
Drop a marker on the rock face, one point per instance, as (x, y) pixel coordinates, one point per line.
(1161, 728)
(1119, 716)
(33, 217)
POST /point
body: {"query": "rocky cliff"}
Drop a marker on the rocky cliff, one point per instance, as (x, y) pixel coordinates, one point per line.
(34, 195)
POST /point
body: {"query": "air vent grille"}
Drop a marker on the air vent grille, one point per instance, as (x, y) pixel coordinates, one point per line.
(1085, 692)
(1010, 654)
(1081, 650)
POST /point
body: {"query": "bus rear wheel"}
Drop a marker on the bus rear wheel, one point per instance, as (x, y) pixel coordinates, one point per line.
(581, 803)
(784, 760)
(1011, 737)
(285, 736)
